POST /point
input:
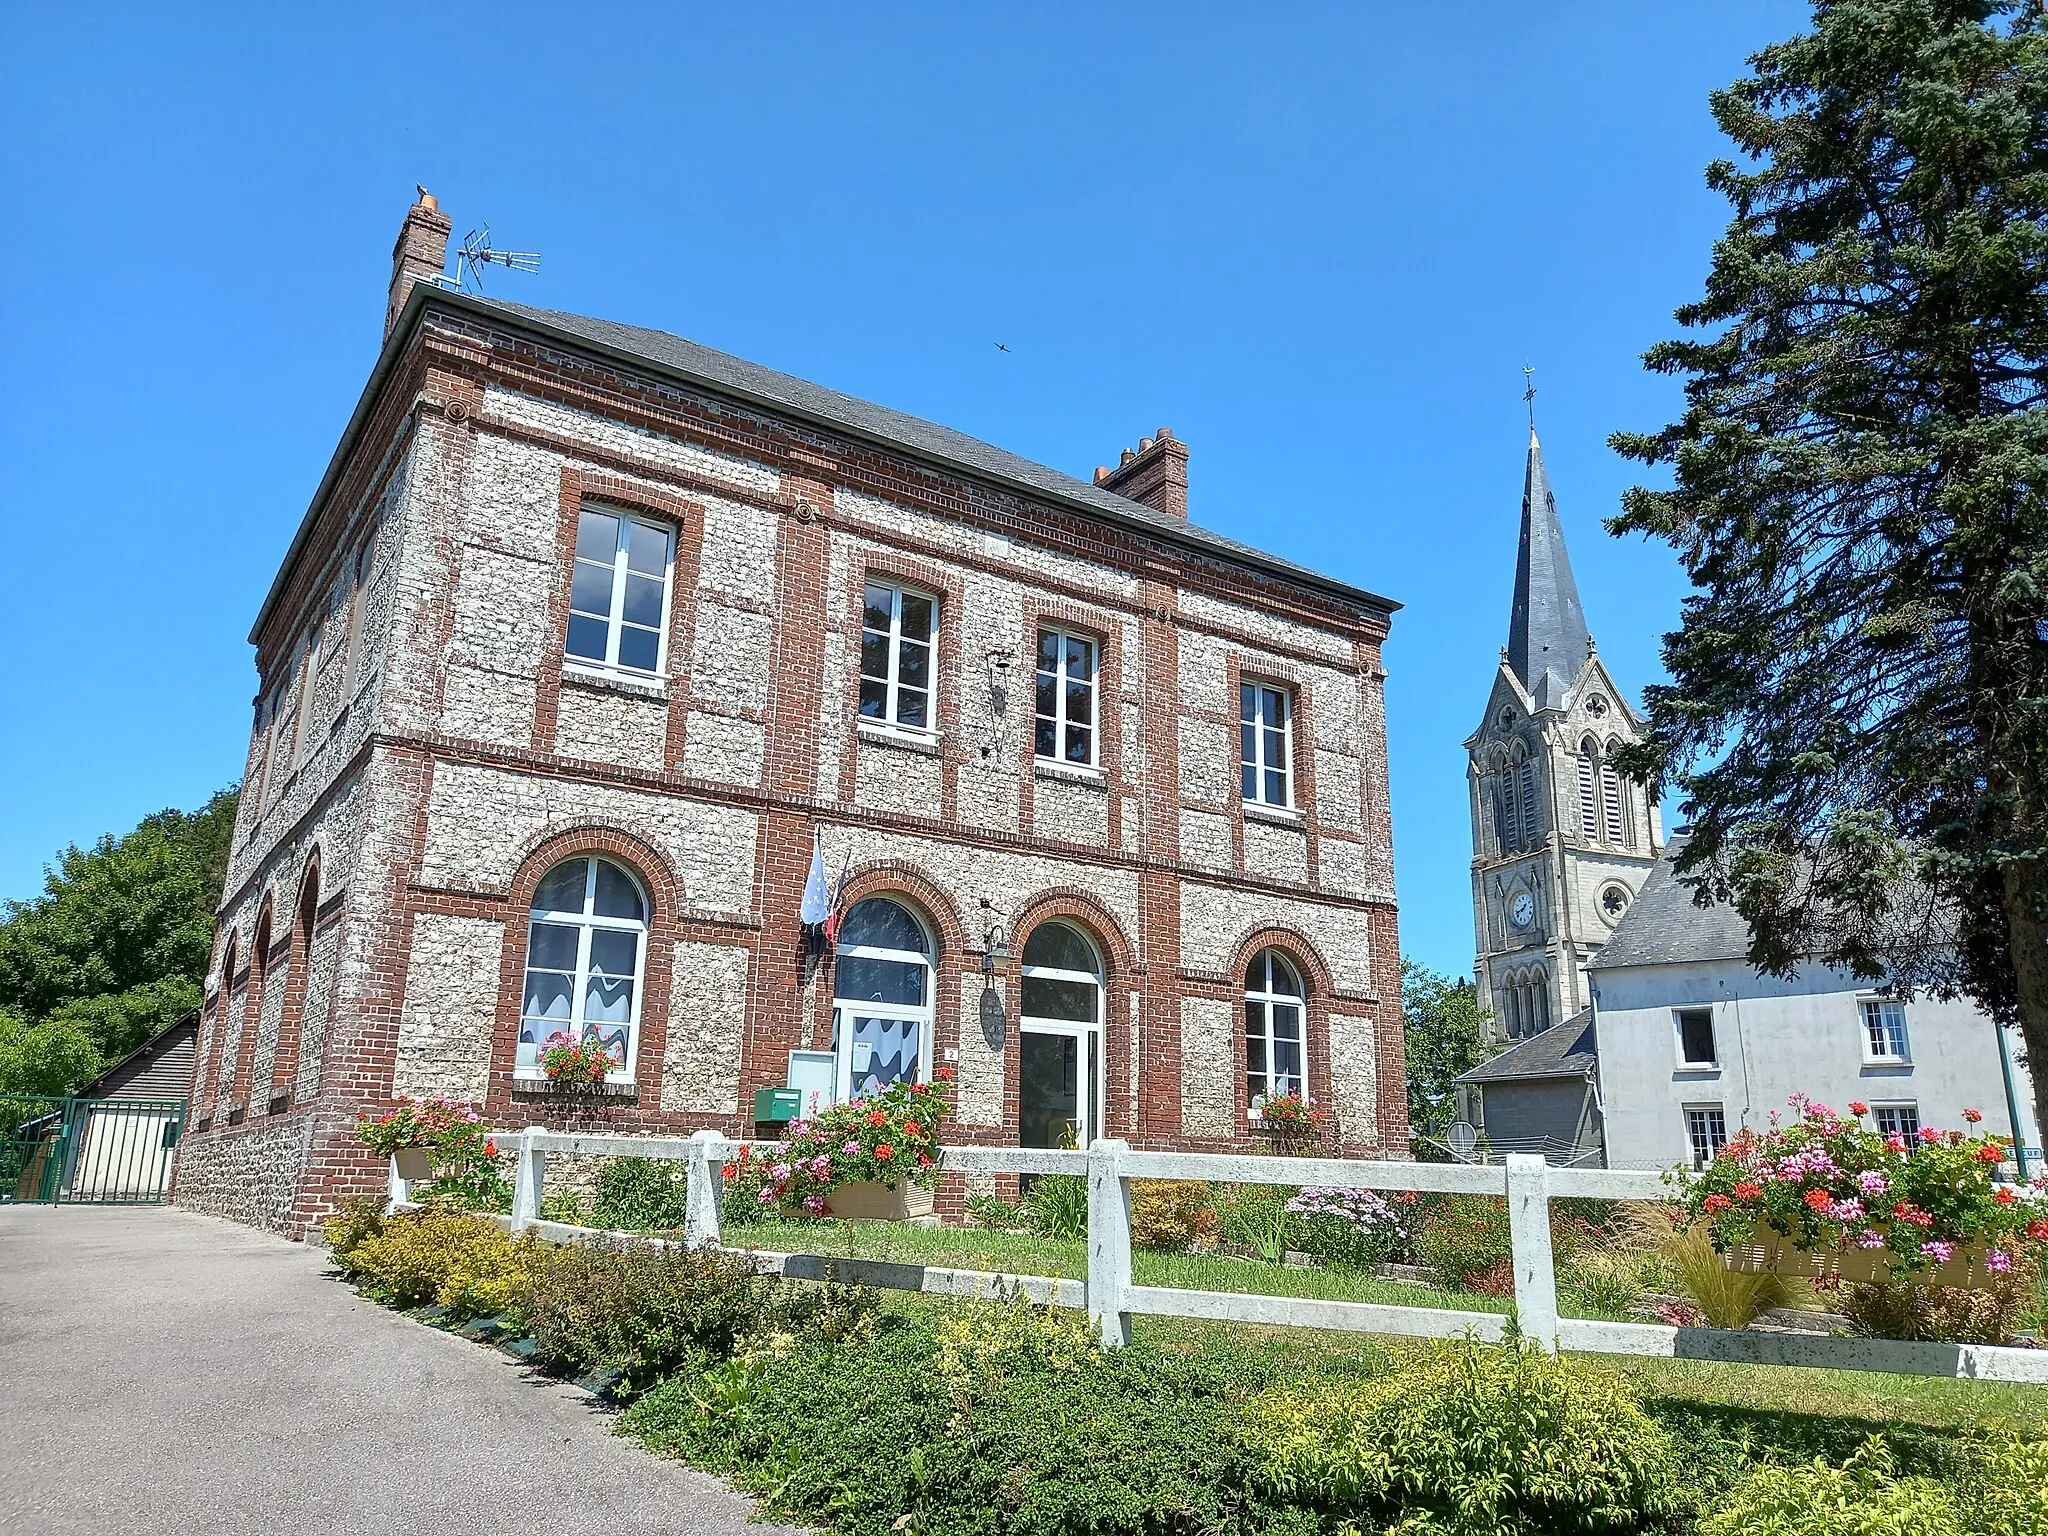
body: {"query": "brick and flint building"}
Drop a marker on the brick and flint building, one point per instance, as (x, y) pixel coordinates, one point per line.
(591, 635)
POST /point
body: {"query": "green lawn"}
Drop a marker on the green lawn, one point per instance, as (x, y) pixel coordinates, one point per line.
(1777, 1401)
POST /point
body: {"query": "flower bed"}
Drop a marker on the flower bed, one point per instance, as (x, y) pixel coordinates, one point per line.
(1828, 1196)
(889, 1139)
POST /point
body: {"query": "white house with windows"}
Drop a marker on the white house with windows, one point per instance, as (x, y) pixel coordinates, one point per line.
(1684, 1043)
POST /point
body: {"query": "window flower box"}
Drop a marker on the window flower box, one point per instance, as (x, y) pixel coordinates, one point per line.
(1828, 1197)
(870, 1159)
(871, 1200)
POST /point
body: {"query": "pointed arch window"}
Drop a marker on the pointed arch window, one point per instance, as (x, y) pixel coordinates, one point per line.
(586, 949)
(1610, 801)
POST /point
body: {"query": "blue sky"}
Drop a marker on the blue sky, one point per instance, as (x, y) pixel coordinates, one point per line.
(1317, 242)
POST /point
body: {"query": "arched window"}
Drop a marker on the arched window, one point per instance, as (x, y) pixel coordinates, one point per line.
(882, 999)
(586, 947)
(1589, 769)
(223, 1021)
(1275, 1052)
(1059, 1086)
(252, 1018)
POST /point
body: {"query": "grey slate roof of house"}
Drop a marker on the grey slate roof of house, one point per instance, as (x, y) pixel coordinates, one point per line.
(1547, 637)
(1663, 926)
(722, 373)
(1563, 1050)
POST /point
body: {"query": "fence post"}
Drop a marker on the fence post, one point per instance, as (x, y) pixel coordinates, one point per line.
(398, 1191)
(1109, 1243)
(1535, 1266)
(530, 1173)
(703, 1191)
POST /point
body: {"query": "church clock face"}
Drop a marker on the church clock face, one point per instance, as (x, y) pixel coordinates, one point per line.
(1524, 910)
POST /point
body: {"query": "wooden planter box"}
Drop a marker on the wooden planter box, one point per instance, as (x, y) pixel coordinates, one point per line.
(865, 1200)
(415, 1164)
(1773, 1254)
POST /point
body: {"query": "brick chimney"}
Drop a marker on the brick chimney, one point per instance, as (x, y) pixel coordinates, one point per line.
(1155, 473)
(421, 252)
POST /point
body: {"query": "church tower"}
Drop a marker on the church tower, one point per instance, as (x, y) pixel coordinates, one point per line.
(1560, 842)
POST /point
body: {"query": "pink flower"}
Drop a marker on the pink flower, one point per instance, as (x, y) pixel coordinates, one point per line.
(1896, 1142)
(1870, 1239)
(1998, 1261)
(1846, 1210)
(1973, 1115)
(1929, 1134)
(821, 1165)
(766, 1197)
(850, 1148)
(1938, 1250)
(780, 1172)
(815, 1204)
(1872, 1182)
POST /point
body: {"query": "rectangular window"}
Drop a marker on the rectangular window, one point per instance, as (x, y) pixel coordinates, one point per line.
(1897, 1120)
(1706, 1128)
(618, 592)
(1696, 1037)
(352, 665)
(1066, 697)
(898, 630)
(1884, 1030)
(1266, 739)
(309, 689)
(1610, 801)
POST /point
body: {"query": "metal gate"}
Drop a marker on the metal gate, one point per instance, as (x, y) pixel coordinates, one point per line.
(87, 1151)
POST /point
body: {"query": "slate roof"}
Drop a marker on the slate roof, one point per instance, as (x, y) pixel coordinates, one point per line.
(1547, 637)
(1563, 1050)
(1663, 927)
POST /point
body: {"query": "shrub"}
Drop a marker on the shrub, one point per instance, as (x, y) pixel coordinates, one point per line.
(418, 1254)
(639, 1194)
(1171, 1215)
(1727, 1298)
(1058, 1206)
(873, 1440)
(1999, 1494)
(1464, 1236)
(1472, 1440)
(1350, 1228)
(1944, 1313)
(997, 1213)
(1601, 1281)
(357, 1219)
(1256, 1216)
(640, 1310)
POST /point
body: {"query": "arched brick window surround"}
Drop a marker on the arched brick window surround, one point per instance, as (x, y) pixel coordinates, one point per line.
(665, 901)
(1120, 982)
(252, 1010)
(284, 1066)
(206, 1098)
(1317, 982)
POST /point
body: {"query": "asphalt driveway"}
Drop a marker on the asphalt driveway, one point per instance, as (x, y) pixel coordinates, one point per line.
(165, 1372)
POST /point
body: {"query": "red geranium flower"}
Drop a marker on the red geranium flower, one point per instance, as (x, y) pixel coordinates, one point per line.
(1973, 1115)
(1988, 1153)
(1819, 1199)
(944, 1074)
(1717, 1202)
(2003, 1195)
(1748, 1191)
(911, 1127)
(1929, 1134)
(876, 1117)
(884, 1152)
(1858, 1108)
(2038, 1229)
(490, 1146)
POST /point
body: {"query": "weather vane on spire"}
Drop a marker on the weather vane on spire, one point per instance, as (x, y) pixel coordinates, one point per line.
(1529, 394)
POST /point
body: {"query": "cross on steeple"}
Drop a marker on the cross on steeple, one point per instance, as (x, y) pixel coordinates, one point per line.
(1529, 395)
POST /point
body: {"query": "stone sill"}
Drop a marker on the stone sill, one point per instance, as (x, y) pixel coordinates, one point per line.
(926, 742)
(1275, 815)
(534, 1088)
(614, 682)
(1086, 776)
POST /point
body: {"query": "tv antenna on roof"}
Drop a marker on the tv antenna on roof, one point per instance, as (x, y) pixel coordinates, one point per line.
(476, 254)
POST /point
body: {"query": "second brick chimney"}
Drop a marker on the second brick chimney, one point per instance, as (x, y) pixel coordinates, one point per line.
(1155, 473)
(421, 252)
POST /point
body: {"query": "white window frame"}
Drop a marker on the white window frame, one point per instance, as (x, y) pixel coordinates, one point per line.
(842, 1038)
(587, 922)
(1257, 695)
(1709, 1132)
(1268, 996)
(1894, 1107)
(1686, 1063)
(1871, 1013)
(1088, 1035)
(615, 619)
(892, 684)
(1062, 680)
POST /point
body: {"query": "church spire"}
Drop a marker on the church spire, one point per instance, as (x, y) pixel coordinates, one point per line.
(1547, 638)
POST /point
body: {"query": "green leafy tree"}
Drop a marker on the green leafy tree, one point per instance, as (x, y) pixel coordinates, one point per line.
(52, 1057)
(1858, 711)
(117, 945)
(1444, 1030)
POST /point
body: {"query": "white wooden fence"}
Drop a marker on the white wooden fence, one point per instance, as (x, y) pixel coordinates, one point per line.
(1112, 1298)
